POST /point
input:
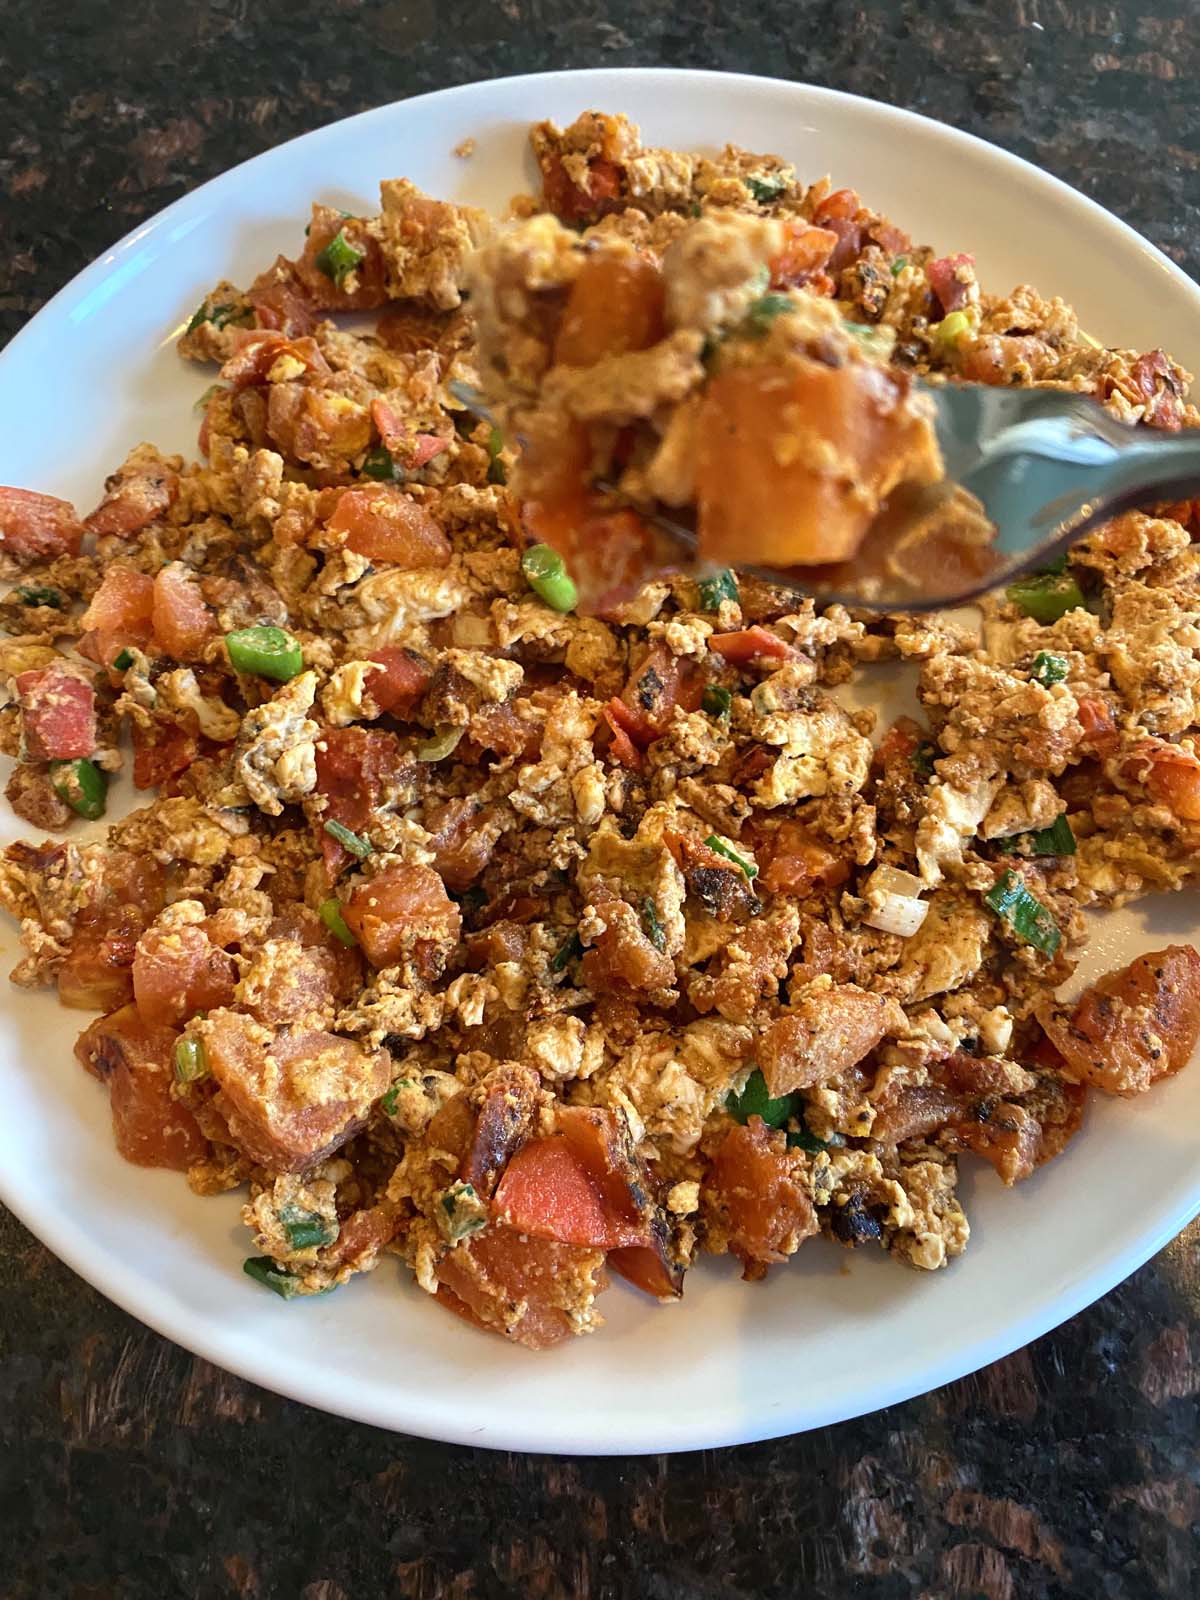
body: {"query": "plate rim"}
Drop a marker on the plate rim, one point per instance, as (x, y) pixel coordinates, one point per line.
(140, 1296)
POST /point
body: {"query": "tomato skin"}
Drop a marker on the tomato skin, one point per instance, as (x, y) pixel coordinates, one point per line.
(383, 523)
(279, 301)
(750, 644)
(58, 714)
(757, 1182)
(37, 527)
(178, 972)
(400, 681)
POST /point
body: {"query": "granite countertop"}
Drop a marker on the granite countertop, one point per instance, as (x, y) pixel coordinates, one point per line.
(130, 1469)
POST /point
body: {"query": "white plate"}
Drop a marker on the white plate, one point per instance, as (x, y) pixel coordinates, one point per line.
(830, 1336)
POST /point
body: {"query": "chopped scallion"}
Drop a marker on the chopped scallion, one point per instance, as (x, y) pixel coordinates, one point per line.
(720, 586)
(382, 465)
(1024, 913)
(569, 950)
(755, 1101)
(304, 1229)
(36, 594)
(190, 1060)
(123, 660)
(763, 311)
(266, 650)
(953, 327)
(348, 839)
(716, 701)
(1046, 597)
(766, 189)
(1049, 668)
(548, 577)
(339, 258)
(748, 868)
(443, 743)
(654, 928)
(330, 914)
(82, 785)
(922, 759)
(264, 1270)
(1056, 840)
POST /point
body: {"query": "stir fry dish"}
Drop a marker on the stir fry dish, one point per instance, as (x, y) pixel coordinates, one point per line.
(537, 945)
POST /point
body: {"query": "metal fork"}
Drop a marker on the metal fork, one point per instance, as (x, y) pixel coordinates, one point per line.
(1028, 472)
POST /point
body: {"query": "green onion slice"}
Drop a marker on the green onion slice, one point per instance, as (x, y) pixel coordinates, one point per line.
(82, 785)
(443, 743)
(762, 312)
(765, 189)
(381, 464)
(190, 1061)
(720, 586)
(36, 594)
(123, 660)
(1046, 597)
(268, 651)
(754, 1101)
(267, 1272)
(549, 578)
(655, 931)
(330, 913)
(953, 327)
(1056, 840)
(339, 258)
(748, 868)
(348, 839)
(1024, 913)
(569, 950)
(304, 1229)
(716, 701)
(496, 472)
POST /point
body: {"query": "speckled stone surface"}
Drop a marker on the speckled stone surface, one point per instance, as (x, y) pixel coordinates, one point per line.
(131, 1471)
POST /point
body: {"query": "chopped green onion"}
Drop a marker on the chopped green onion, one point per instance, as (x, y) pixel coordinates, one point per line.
(762, 312)
(765, 189)
(720, 586)
(548, 577)
(220, 316)
(952, 328)
(464, 1210)
(123, 660)
(266, 650)
(348, 839)
(875, 341)
(82, 785)
(303, 1229)
(34, 594)
(654, 928)
(266, 1271)
(801, 1139)
(391, 1100)
(339, 258)
(330, 914)
(444, 743)
(754, 1101)
(899, 265)
(922, 759)
(1046, 597)
(1056, 840)
(1049, 668)
(569, 950)
(213, 388)
(730, 854)
(190, 1060)
(1059, 564)
(716, 701)
(380, 463)
(495, 471)
(1024, 913)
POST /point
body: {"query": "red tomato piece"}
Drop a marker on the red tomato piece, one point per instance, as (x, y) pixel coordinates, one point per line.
(757, 1182)
(383, 523)
(660, 682)
(1099, 730)
(1170, 773)
(572, 203)
(139, 493)
(546, 1193)
(58, 714)
(615, 305)
(279, 301)
(750, 644)
(178, 972)
(522, 1288)
(364, 288)
(182, 622)
(37, 527)
(400, 681)
(352, 766)
(257, 352)
(162, 750)
(793, 861)
(151, 1127)
(952, 291)
(119, 614)
(627, 753)
(804, 255)
(403, 910)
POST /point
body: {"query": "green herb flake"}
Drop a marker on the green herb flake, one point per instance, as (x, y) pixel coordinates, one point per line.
(271, 1275)
(123, 660)
(1024, 913)
(801, 1139)
(898, 265)
(1046, 597)
(1048, 668)
(330, 913)
(348, 839)
(717, 702)
(654, 928)
(767, 189)
(382, 465)
(305, 1230)
(747, 868)
(339, 258)
(391, 1100)
(763, 311)
(922, 759)
(569, 950)
(36, 594)
(716, 588)
(755, 1101)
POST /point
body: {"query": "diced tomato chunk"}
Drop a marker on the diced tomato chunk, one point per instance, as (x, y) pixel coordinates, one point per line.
(151, 1127)
(58, 714)
(660, 682)
(1099, 729)
(257, 352)
(162, 749)
(361, 289)
(295, 1102)
(804, 255)
(1170, 773)
(757, 1183)
(280, 302)
(615, 305)
(383, 523)
(1132, 1026)
(404, 910)
(178, 972)
(791, 860)
(400, 681)
(138, 493)
(572, 203)
(353, 764)
(97, 973)
(37, 527)
(750, 644)
(523, 1288)
(616, 714)
(182, 622)
(950, 278)
(119, 614)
